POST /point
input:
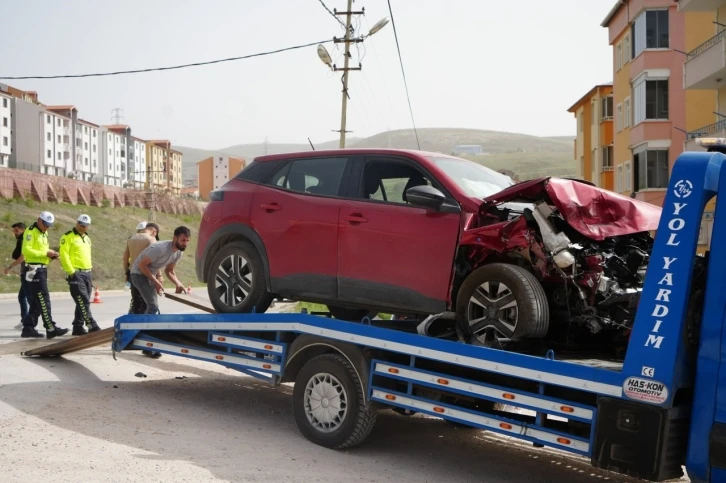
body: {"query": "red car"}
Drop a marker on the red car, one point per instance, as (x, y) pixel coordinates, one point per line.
(426, 234)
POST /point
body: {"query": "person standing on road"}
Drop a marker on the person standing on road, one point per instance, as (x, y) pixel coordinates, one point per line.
(37, 256)
(146, 234)
(163, 254)
(75, 258)
(18, 229)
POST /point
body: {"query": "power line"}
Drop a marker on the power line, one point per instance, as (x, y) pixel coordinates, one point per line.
(196, 64)
(331, 13)
(395, 34)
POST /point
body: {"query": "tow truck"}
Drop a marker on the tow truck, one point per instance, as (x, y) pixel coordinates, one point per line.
(659, 409)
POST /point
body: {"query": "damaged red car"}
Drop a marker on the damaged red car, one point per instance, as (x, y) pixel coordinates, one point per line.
(461, 249)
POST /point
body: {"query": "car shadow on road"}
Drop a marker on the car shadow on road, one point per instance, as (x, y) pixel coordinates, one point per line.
(240, 428)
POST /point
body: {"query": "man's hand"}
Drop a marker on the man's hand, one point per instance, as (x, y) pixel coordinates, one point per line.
(180, 289)
(159, 286)
(52, 254)
(7, 270)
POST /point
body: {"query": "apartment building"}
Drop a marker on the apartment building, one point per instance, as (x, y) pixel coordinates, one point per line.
(56, 144)
(652, 110)
(6, 136)
(214, 171)
(115, 146)
(157, 156)
(705, 66)
(137, 162)
(176, 179)
(88, 154)
(593, 150)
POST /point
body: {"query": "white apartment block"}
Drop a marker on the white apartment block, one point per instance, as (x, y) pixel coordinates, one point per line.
(115, 153)
(87, 151)
(6, 137)
(138, 168)
(57, 145)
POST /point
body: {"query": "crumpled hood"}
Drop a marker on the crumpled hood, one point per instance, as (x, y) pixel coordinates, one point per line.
(594, 212)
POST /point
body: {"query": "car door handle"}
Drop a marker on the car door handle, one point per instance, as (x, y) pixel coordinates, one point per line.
(356, 218)
(271, 207)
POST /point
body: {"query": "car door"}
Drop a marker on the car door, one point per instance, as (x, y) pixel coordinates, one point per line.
(296, 215)
(392, 254)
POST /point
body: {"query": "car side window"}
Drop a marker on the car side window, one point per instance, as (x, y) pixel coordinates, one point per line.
(388, 180)
(321, 176)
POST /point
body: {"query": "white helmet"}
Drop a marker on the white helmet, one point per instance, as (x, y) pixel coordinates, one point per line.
(141, 226)
(84, 220)
(47, 218)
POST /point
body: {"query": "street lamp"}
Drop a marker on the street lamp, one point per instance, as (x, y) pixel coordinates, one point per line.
(326, 59)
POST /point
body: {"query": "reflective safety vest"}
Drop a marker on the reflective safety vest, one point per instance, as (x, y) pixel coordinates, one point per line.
(75, 251)
(35, 246)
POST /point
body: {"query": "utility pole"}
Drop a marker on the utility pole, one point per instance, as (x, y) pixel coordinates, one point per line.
(117, 115)
(347, 40)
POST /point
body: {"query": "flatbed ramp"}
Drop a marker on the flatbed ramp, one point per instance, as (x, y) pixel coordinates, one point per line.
(105, 336)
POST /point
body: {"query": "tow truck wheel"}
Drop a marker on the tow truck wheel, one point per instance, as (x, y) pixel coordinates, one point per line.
(236, 281)
(501, 302)
(329, 403)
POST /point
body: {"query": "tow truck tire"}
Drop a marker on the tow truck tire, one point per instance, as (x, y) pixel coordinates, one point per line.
(528, 320)
(341, 421)
(258, 297)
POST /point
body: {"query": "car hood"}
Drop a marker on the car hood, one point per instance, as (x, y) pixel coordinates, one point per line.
(594, 212)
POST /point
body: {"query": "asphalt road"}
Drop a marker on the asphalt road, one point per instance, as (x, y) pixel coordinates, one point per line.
(87, 417)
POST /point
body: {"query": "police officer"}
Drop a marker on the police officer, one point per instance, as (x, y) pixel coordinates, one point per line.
(75, 258)
(37, 256)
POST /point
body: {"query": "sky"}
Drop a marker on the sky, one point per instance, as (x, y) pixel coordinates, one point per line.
(484, 64)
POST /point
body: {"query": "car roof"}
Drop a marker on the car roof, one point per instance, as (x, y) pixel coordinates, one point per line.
(346, 152)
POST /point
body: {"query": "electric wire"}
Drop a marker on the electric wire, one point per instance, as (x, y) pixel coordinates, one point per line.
(398, 47)
(332, 14)
(153, 69)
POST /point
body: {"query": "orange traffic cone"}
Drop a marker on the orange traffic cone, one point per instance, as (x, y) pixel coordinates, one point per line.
(97, 298)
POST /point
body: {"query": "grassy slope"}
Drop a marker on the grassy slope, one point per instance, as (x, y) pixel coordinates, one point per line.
(109, 231)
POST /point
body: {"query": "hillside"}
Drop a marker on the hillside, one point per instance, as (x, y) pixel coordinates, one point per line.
(529, 154)
(109, 229)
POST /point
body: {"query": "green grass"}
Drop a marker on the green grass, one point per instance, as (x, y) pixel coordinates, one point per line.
(531, 165)
(109, 230)
(324, 308)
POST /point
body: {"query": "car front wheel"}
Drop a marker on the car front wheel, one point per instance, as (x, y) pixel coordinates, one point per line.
(236, 281)
(498, 303)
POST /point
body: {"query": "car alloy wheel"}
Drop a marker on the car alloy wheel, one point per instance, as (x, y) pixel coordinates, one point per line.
(493, 313)
(233, 280)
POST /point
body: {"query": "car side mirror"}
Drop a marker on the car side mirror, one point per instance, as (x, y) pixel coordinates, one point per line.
(425, 196)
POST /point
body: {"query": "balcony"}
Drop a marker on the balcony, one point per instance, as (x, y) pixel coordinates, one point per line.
(700, 5)
(66, 148)
(705, 66)
(715, 130)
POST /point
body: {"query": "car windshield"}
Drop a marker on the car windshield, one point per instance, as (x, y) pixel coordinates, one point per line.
(474, 179)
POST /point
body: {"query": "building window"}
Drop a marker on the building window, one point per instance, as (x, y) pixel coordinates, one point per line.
(650, 31)
(650, 100)
(619, 179)
(627, 180)
(619, 119)
(626, 50)
(49, 155)
(626, 113)
(58, 122)
(5, 140)
(618, 57)
(59, 156)
(47, 118)
(5, 102)
(48, 137)
(5, 122)
(607, 158)
(94, 133)
(651, 169)
(579, 122)
(59, 139)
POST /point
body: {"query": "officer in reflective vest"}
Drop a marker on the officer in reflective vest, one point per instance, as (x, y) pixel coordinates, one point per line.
(75, 258)
(37, 256)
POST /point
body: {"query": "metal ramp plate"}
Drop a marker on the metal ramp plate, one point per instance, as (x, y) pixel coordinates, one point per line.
(192, 301)
(104, 336)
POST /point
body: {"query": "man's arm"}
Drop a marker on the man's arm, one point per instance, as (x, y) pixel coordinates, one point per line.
(28, 251)
(169, 270)
(65, 255)
(144, 268)
(16, 262)
(127, 255)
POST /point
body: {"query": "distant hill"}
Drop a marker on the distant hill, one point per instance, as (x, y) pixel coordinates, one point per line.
(528, 156)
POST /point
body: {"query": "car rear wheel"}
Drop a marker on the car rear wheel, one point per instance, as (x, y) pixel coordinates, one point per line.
(236, 281)
(498, 303)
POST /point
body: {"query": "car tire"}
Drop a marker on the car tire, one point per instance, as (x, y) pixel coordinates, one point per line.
(351, 315)
(507, 302)
(248, 263)
(347, 419)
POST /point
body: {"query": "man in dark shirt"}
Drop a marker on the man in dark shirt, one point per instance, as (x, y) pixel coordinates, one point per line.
(18, 230)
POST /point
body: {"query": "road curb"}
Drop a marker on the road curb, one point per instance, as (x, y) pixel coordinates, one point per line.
(66, 295)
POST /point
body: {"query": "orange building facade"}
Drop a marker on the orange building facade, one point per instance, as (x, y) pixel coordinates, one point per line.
(593, 150)
(214, 171)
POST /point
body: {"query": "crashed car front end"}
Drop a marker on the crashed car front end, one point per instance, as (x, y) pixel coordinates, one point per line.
(588, 247)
